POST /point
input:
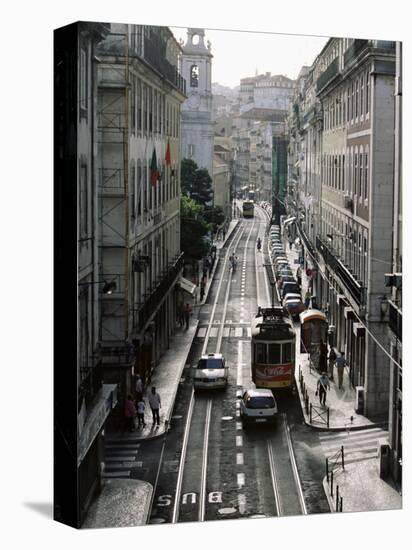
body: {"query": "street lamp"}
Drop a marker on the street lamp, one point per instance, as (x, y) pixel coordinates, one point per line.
(108, 287)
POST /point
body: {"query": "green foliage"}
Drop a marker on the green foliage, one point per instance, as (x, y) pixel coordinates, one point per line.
(214, 216)
(193, 228)
(196, 182)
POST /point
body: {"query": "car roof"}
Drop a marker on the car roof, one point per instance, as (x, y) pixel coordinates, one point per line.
(292, 296)
(259, 392)
(212, 356)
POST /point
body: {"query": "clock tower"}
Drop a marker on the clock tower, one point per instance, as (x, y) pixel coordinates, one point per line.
(197, 126)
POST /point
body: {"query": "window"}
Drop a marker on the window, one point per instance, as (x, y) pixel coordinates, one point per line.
(194, 76)
(83, 201)
(366, 184)
(362, 86)
(133, 104)
(138, 105)
(360, 174)
(133, 193)
(83, 79)
(274, 354)
(357, 98)
(260, 353)
(343, 173)
(144, 125)
(150, 109)
(191, 150)
(367, 93)
(155, 124)
(139, 189)
(355, 174)
(352, 106)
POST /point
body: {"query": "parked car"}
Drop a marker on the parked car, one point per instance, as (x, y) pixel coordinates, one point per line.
(290, 287)
(293, 306)
(285, 278)
(257, 405)
(280, 259)
(211, 372)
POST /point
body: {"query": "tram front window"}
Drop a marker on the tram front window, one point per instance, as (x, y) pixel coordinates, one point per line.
(260, 353)
(274, 354)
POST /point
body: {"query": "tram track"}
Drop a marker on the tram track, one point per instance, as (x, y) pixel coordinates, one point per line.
(219, 470)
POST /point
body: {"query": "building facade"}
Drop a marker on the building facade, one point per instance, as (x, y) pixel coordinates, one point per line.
(351, 84)
(196, 123)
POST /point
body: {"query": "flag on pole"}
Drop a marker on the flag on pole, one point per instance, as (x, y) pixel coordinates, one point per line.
(154, 173)
(168, 160)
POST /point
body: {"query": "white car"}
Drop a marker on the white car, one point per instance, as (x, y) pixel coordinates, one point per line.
(258, 406)
(211, 372)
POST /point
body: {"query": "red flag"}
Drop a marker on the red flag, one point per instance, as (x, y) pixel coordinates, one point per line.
(168, 160)
(154, 173)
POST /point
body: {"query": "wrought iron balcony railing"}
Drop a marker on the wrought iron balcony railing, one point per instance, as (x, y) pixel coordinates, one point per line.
(156, 296)
(327, 76)
(353, 51)
(354, 287)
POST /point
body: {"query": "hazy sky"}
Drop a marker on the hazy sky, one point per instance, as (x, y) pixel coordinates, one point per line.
(238, 54)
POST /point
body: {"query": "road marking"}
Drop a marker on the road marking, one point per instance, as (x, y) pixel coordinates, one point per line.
(238, 332)
(239, 441)
(240, 480)
(249, 332)
(118, 458)
(239, 459)
(201, 333)
(226, 332)
(242, 503)
(213, 332)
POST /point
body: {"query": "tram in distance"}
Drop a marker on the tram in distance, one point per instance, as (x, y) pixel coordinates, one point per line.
(273, 349)
(248, 209)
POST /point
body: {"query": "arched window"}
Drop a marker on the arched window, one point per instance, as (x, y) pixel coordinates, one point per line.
(366, 174)
(361, 173)
(194, 76)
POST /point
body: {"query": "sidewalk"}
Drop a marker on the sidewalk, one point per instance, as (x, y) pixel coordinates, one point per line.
(360, 484)
(126, 502)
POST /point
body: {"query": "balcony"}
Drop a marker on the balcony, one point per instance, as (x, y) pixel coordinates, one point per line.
(309, 246)
(353, 51)
(153, 301)
(327, 76)
(395, 320)
(354, 287)
(155, 55)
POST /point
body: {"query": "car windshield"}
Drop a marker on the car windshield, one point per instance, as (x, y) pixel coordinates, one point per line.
(260, 402)
(210, 364)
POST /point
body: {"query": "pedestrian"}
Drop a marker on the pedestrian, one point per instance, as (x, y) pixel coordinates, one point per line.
(140, 407)
(299, 276)
(332, 359)
(323, 356)
(340, 366)
(139, 388)
(307, 299)
(130, 413)
(187, 312)
(202, 291)
(322, 387)
(290, 244)
(154, 402)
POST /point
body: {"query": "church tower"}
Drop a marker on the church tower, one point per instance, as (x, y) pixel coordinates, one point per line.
(197, 126)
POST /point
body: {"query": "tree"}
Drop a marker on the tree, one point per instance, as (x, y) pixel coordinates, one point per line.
(214, 216)
(196, 182)
(194, 229)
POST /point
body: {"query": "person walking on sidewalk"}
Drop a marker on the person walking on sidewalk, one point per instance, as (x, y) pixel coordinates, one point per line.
(202, 290)
(332, 359)
(154, 402)
(140, 407)
(340, 366)
(187, 312)
(139, 388)
(299, 276)
(323, 356)
(130, 413)
(322, 387)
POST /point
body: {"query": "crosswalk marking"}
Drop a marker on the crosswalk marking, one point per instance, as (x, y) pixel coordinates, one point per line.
(358, 445)
(228, 331)
(120, 454)
(213, 332)
(201, 333)
(238, 332)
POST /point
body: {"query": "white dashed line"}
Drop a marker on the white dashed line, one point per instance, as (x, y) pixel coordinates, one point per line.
(240, 480)
(239, 441)
(239, 458)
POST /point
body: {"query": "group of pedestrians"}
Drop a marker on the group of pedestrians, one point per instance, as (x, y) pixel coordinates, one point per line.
(323, 383)
(135, 408)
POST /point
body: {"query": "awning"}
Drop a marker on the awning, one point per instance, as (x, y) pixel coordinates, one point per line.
(187, 286)
(289, 220)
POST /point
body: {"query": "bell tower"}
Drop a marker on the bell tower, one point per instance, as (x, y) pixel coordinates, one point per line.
(197, 126)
